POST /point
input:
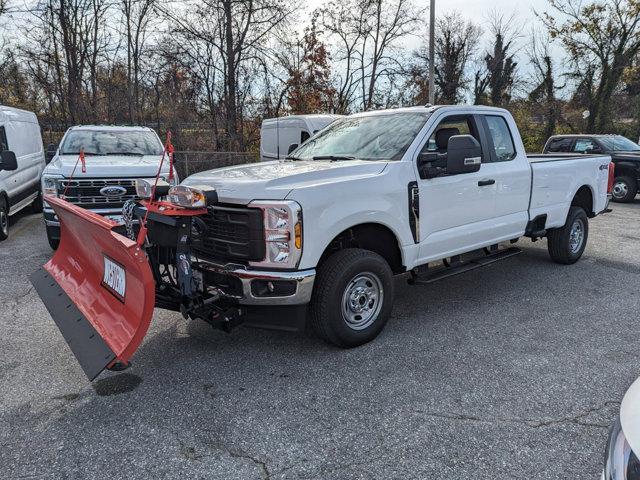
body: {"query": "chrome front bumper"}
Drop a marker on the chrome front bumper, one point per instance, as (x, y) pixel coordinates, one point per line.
(51, 220)
(303, 280)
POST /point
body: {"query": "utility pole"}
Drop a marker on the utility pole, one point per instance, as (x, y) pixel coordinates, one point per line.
(432, 48)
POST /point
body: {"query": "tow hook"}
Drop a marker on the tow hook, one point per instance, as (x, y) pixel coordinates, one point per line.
(227, 320)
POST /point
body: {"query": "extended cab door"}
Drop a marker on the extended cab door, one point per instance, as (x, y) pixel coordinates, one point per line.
(463, 212)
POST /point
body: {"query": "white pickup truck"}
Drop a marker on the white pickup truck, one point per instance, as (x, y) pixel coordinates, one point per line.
(423, 191)
(115, 156)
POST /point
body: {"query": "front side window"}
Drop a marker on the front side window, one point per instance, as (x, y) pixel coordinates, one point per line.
(111, 142)
(585, 145)
(385, 136)
(4, 145)
(501, 138)
(447, 128)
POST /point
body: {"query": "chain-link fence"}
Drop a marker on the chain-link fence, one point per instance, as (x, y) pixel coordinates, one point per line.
(188, 163)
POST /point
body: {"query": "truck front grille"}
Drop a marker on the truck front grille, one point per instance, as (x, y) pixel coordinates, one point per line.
(233, 234)
(91, 193)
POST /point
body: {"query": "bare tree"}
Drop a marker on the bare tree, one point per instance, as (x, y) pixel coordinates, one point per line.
(604, 36)
(136, 19)
(456, 45)
(543, 94)
(239, 32)
(500, 61)
(368, 34)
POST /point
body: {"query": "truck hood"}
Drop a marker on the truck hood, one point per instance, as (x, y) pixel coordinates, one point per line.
(120, 166)
(275, 180)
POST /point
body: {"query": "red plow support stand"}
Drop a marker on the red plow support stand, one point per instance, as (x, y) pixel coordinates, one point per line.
(102, 317)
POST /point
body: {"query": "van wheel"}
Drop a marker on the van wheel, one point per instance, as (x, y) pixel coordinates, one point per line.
(567, 243)
(53, 237)
(624, 189)
(352, 297)
(36, 206)
(4, 219)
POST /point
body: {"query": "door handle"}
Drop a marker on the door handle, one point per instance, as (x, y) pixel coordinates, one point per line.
(484, 183)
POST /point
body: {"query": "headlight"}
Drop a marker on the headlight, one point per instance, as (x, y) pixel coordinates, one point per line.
(144, 187)
(192, 197)
(622, 463)
(50, 185)
(282, 233)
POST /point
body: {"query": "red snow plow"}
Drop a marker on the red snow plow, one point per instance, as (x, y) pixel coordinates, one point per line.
(98, 287)
(101, 287)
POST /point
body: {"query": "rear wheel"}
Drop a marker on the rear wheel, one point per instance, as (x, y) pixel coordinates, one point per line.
(624, 189)
(4, 219)
(53, 237)
(352, 297)
(567, 243)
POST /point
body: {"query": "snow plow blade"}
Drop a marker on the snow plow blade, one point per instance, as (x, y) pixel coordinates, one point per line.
(98, 287)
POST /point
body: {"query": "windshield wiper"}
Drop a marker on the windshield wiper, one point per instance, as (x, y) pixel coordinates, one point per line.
(334, 158)
(126, 154)
(289, 157)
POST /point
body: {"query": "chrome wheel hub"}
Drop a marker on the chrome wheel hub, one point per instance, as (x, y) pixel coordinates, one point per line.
(362, 300)
(576, 236)
(620, 190)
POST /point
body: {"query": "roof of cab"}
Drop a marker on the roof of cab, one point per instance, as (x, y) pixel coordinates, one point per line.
(114, 128)
(433, 108)
(10, 114)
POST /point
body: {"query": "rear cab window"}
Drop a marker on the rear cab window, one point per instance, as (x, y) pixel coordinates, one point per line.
(502, 146)
(559, 145)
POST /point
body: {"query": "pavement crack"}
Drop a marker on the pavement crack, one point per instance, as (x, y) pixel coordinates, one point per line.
(577, 419)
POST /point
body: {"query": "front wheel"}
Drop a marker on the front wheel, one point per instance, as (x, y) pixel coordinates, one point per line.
(53, 237)
(4, 219)
(567, 243)
(352, 297)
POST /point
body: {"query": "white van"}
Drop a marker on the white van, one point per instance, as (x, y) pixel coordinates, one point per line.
(277, 135)
(21, 165)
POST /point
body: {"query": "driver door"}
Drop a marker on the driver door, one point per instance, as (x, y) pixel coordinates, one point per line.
(456, 211)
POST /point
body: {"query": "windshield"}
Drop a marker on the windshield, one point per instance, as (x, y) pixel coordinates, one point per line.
(111, 142)
(365, 137)
(618, 143)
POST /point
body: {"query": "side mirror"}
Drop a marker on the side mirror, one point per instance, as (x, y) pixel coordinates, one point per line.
(50, 153)
(9, 161)
(292, 147)
(464, 155)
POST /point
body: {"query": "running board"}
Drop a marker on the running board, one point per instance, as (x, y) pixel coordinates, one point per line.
(458, 267)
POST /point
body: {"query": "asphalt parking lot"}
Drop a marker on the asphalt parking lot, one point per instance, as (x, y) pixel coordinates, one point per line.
(511, 371)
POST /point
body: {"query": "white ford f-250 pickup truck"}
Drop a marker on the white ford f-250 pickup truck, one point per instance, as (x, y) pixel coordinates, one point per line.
(424, 191)
(115, 156)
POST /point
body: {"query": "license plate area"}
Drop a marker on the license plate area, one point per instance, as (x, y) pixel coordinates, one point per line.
(114, 278)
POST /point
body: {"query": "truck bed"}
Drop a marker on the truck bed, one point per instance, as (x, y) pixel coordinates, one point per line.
(557, 157)
(557, 178)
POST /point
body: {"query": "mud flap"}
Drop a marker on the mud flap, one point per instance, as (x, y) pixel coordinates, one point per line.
(102, 315)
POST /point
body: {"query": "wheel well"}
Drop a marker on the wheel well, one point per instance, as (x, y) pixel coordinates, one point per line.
(584, 198)
(369, 236)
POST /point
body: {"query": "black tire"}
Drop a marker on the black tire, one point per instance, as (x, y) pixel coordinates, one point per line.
(53, 237)
(363, 273)
(36, 206)
(563, 243)
(4, 219)
(624, 189)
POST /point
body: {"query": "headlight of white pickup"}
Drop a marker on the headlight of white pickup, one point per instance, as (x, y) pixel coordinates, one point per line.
(190, 197)
(282, 233)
